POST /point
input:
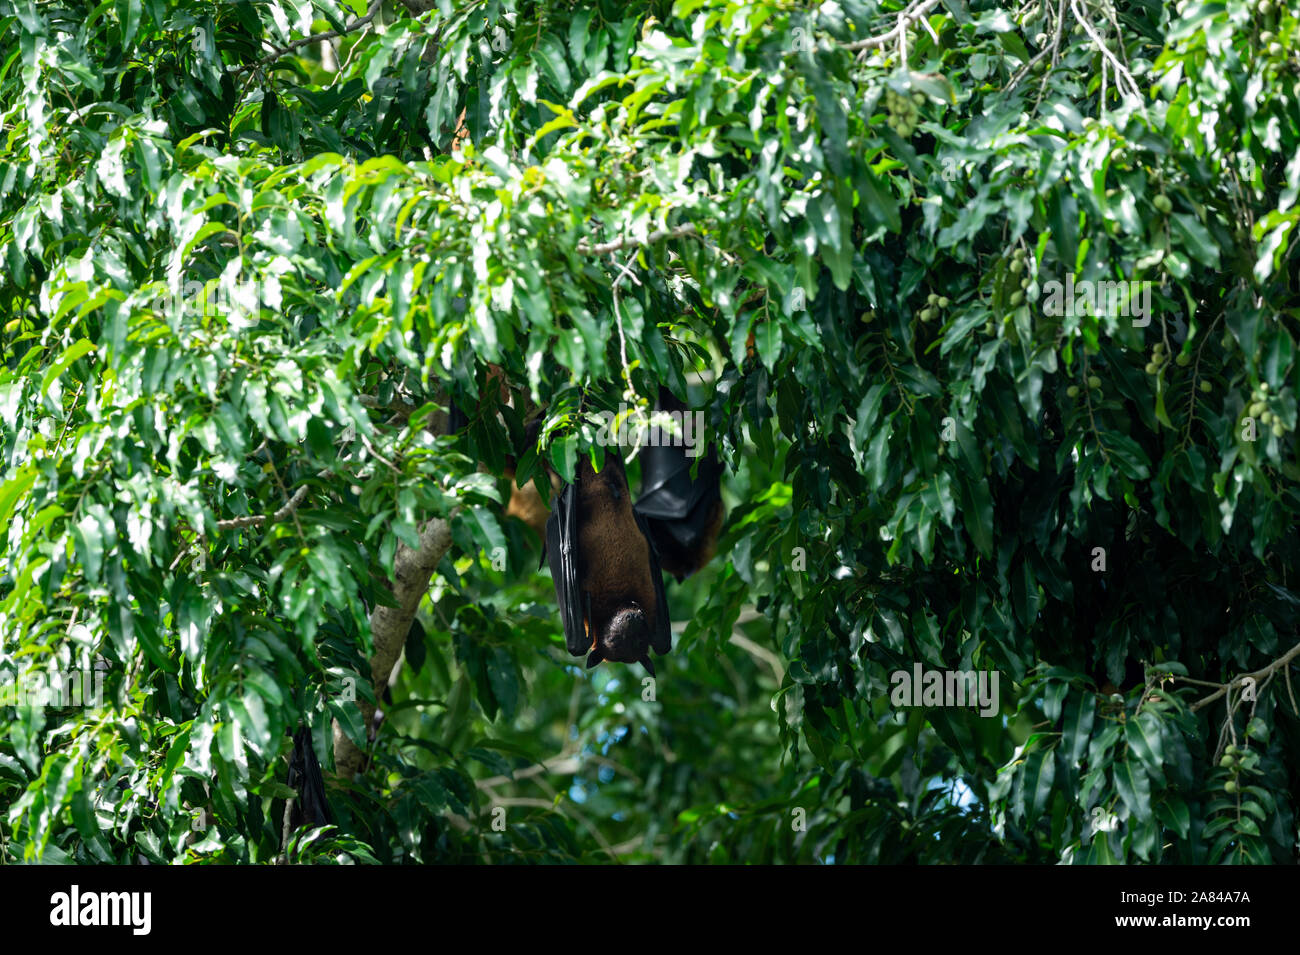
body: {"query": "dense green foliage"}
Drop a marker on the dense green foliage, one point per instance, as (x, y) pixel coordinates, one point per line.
(239, 281)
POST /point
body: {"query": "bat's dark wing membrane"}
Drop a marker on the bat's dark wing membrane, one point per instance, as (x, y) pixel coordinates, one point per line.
(311, 808)
(669, 496)
(683, 515)
(661, 641)
(562, 553)
(680, 509)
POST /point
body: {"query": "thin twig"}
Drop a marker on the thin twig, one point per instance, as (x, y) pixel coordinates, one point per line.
(68, 419)
(910, 14)
(253, 520)
(396, 406)
(1121, 71)
(355, 25)
(605, 248)
(1258, 675)
(624, 271)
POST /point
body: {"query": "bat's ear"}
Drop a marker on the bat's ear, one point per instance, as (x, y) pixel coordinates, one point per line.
(645, 662)
(595, 657)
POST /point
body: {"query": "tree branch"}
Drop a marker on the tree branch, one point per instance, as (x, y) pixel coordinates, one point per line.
(412, 570)
(905, 19)
(352, 27)
(397, 406)
(605, 248)
(1258, 675)
(253, 520)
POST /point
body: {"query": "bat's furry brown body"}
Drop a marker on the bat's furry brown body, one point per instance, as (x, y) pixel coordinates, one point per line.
(607, 575)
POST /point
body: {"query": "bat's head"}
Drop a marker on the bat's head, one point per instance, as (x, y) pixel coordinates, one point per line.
(626, 638)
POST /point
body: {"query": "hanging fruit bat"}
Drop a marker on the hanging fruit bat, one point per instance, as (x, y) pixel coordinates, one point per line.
(607, 577)
(311, 808)
(683, 514)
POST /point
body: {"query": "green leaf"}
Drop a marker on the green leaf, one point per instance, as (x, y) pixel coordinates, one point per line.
(549, 55)
(1196, 239)
(74, 351)
(1079, 715)
(1134, 788)
(1142, 734)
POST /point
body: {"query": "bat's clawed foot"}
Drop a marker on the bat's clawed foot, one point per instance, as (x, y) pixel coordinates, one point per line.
(645, 662)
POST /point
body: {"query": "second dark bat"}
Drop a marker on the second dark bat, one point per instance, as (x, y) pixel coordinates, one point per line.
(683, 514)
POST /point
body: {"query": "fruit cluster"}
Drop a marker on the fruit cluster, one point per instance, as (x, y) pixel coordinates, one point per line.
(1016, 267)
(1234, 760)
(933, 304)
(1159, 358)
(1094, 384)
(1268, 41)
(1259, 408)
(904, 112)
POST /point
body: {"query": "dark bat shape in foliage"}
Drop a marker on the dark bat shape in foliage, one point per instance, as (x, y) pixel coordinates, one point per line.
(683, 514)
(607, 578)
(311, 808)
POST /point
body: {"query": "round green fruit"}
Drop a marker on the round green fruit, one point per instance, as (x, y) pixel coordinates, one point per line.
(1163, 204)
(1228, 762)
(1183, 360)
(943, 301)
(1230, 787)
(1018, 298)
(1072, 391)
(1151, 368)
(1206, 387)
(1094, 382)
